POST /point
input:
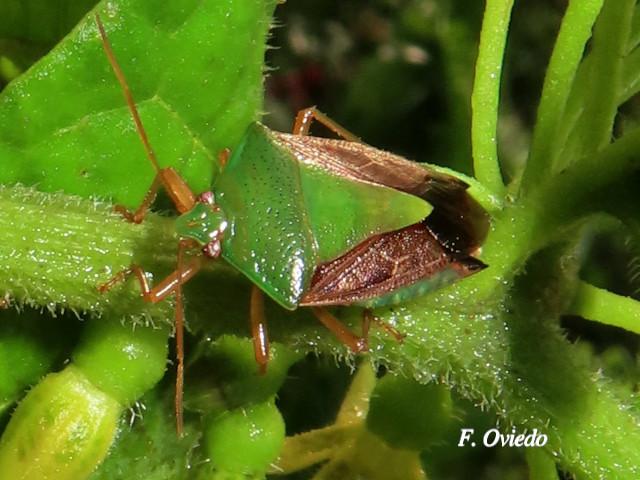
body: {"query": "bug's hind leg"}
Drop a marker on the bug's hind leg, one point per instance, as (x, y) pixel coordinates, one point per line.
(368, 318)
(259, 329)
(355, 343)
(305, 117)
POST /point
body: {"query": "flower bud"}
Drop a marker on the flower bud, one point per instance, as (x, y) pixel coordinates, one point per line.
(61, 430)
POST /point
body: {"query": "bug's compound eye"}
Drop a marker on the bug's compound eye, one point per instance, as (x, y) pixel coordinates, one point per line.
(213, 249)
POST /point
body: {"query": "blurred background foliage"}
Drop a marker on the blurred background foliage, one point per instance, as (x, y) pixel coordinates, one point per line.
(372, 65)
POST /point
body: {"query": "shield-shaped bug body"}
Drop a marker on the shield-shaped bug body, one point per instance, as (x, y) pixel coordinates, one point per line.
(314, 222)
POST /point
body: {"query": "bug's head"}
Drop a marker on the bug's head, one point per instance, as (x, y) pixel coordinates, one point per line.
(205, 223)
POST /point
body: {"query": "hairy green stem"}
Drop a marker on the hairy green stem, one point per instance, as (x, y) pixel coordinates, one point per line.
(486, 94)
(57, 250)
(512, 357)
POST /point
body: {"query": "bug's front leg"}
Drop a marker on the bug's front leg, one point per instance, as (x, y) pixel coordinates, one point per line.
(305, 117)
(161, 291)
(181, 195)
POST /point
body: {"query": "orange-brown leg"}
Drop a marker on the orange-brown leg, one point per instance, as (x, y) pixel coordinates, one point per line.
(305, 117)
(5, 301)
(346, 336)
(161, 291)
(139, 213)
(368, 318)
(182, 196)
(259, 329)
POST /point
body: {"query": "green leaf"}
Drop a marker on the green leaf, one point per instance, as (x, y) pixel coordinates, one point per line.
(603, 73)
(195, 67)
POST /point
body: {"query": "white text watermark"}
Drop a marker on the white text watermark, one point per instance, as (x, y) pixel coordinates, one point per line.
(495, 438)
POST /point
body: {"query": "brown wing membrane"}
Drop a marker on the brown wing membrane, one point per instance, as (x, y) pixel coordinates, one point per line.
(384, 263)
(360, 161)
(457, 220)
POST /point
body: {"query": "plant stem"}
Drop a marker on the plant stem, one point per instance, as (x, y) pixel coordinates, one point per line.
(574, 33)
(583, 186)
(57, 250)
(634, 38)
(602, 306)
(594, 129)
(486, 94)
(630, 82)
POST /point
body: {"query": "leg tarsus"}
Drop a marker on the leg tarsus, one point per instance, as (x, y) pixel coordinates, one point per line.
(305, 117)
(368, 317)
(159, 292)
(139, 213)
(259, 329)
(170, 284)
(181, 195)
(121, 276)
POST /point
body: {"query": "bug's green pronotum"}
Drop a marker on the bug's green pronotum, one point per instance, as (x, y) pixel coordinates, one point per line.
(314, 222)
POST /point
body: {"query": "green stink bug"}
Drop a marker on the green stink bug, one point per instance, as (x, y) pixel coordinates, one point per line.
(314, 222)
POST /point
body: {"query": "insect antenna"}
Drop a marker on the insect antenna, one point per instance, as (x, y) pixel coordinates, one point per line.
(127, 95)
